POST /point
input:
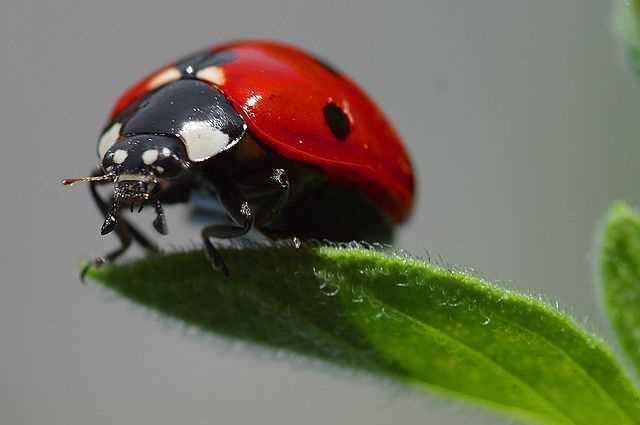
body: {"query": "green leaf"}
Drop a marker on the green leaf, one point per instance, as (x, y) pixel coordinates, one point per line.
(396, 317)
(620, 276)
(626, 25)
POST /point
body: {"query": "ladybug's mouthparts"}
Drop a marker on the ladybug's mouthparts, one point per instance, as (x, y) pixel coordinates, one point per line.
(132, 189)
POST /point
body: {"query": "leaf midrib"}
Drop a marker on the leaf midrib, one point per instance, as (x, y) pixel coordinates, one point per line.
(601, 389)
(545, 401)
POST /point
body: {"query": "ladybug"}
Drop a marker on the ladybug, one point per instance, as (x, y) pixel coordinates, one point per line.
(280, 140)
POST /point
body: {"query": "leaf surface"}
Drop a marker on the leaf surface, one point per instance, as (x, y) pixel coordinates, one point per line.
(396, 317)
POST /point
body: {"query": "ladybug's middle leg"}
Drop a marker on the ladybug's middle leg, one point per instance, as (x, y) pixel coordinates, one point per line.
(237, 206)
(278, 183)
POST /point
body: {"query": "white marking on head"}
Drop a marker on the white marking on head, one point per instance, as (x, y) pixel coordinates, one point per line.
(164, 77)
(108, 138)
(212, 74)
(150, 156)
(203, 141)
(119, 156)
(166, 152)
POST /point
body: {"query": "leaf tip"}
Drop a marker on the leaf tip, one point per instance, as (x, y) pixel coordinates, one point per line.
(89, 271)
(620, 209)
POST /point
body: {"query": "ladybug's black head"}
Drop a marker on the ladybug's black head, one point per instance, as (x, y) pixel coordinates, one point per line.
(145, 155)
(139, 165)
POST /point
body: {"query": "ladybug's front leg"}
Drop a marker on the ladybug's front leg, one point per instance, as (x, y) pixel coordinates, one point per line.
(124, 230)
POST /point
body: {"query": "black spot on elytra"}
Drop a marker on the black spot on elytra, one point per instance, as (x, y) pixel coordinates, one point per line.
(203, 59)
(337, 121)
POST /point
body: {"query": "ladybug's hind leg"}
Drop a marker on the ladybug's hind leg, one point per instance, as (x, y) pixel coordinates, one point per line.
(124, 230)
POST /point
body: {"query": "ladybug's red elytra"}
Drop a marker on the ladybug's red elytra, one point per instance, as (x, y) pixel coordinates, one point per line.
(280, 140)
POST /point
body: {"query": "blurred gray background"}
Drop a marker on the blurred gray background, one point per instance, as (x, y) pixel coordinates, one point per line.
(520, 118)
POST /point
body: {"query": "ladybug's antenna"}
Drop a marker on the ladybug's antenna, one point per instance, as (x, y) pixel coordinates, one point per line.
(72, 181)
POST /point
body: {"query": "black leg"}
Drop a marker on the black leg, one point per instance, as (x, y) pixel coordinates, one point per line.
(280, 180)
(124, 230)
(238, 208)
(160, 222)
(222, 232)
(236, 205)
(269, 191)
